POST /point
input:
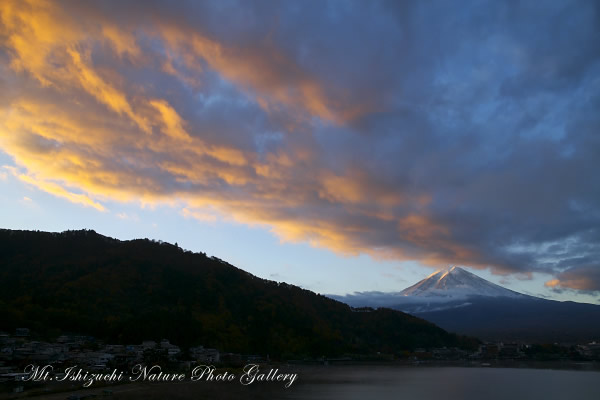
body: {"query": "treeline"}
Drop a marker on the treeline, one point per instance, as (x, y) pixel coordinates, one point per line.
(128, 291)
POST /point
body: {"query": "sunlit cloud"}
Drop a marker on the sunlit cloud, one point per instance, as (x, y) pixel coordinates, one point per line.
(380, 137)
(60, 191)
(583, 278)
(552, 283)
(199, 215)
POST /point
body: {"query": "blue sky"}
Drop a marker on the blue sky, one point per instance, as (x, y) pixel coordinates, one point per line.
(341, 146)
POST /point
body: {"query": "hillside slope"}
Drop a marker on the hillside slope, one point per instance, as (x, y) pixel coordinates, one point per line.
(126, 291)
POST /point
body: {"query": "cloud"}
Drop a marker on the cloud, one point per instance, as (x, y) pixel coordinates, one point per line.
(128, 217)
(584, 278)
(411, 131)
(200, 215)
(59, 191)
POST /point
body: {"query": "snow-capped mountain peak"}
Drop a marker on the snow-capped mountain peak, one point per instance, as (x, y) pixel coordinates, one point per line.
(456, 282)
(445, 289)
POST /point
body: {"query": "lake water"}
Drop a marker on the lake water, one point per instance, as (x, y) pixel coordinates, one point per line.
(398, 383)
(372, 383)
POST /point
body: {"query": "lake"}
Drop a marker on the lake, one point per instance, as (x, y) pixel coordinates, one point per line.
(372, 382)
(383, 383)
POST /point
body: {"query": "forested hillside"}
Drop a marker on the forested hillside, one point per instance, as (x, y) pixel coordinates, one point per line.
(127, 291)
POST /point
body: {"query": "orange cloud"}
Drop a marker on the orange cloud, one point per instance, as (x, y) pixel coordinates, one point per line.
(59, 191)
(171, 120)
(198, 214)
(85, 128)
(104, 92)
(269, 74)
(585, 278)
(124, 43)
(552, 283)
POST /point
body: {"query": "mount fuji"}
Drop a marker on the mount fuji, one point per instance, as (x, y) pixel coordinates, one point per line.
(456, 283)
(462, 302)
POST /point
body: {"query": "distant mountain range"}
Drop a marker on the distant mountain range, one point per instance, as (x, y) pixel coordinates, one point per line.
(127, 291)
(460, 301)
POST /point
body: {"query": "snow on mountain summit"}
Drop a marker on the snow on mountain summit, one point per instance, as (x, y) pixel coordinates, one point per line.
(456, 282)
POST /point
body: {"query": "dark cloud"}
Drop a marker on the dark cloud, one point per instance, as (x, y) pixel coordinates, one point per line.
(412, 130)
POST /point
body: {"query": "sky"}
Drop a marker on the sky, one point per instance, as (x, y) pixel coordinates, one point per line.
(340, 146)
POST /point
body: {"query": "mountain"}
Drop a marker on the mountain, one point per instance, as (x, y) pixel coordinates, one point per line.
(460, 301)
(456, 283)
(128, 291)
